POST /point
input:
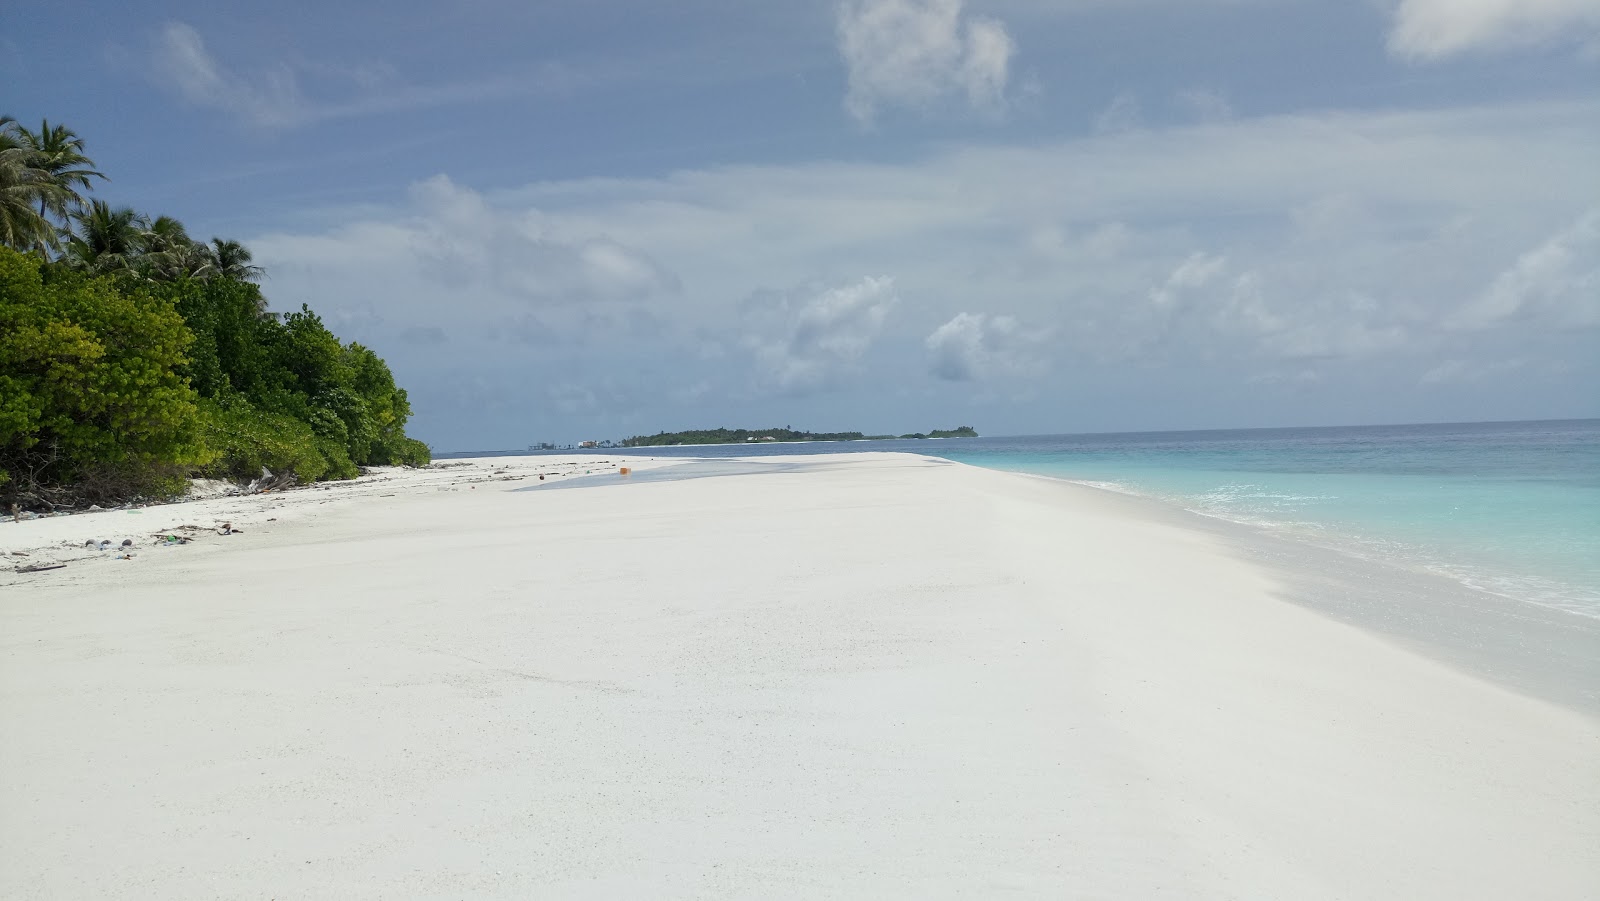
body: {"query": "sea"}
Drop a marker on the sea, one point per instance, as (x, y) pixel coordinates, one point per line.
(1511, 508)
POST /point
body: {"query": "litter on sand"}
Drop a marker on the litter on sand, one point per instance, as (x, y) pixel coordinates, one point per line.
(40, 567)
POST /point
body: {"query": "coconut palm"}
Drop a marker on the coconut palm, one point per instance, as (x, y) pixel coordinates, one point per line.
(27, 192)
(106, 240)
(168, 253)
(233, 260)
(60, 153)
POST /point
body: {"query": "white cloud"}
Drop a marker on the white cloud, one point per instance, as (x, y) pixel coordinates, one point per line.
(448, 257)
(1197, 271)
(1348, 239)
(917, 53)
(1558, 281)
(809, 339)
(974, 346)
(292, 94)
(1437, 29)
(182, 61)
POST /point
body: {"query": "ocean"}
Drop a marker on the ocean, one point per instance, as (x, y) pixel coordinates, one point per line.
(1511, 508)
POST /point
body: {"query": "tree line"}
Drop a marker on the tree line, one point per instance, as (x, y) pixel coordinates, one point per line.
(743, 436)
(133, 356)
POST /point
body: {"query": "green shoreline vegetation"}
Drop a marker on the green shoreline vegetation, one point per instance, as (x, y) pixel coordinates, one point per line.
(133, 357)
(752, 436)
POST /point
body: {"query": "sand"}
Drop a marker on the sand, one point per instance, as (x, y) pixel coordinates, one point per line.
(881, 676)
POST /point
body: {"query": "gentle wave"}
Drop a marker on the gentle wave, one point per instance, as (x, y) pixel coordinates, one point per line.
(1543, 592)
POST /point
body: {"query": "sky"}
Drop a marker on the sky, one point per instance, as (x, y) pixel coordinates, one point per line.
(561, 221)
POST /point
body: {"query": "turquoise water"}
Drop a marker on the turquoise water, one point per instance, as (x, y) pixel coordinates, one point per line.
(1512, 508)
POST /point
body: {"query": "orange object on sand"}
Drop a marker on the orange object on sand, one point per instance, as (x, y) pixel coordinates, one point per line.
(624, 470)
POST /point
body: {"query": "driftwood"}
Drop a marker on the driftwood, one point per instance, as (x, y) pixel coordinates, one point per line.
(270, 482)
(40, 567)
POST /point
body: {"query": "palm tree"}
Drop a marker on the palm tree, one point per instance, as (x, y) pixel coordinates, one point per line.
(169, 253)
(27, 192)
(233, 260)
(106, 241)
(60, 153)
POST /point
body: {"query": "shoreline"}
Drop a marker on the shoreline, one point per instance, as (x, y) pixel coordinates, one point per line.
(877, 675)
(1536, 649)
(1345, 544)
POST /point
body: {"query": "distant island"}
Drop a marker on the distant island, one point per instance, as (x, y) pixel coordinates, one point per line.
(752, 436)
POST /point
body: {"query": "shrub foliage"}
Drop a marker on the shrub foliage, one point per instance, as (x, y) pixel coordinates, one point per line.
(132, 355)
(114, 387)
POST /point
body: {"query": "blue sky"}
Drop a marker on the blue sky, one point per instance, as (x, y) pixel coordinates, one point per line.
(566, 220)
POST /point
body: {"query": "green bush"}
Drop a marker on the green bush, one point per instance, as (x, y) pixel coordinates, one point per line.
(245, 440)
(295, 367)
(135, 355)
(409, 452)
(89, 388)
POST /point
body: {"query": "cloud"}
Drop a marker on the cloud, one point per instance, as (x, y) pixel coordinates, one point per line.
(449, 238)
(303, 92)
(917, 53)
(182, 61)
(1349, 326)
(1558, 281)
(1197, 271)
(1428, 30)
(458, 239)
(974, 346)
(807, 340)
(1286, 243)
(1463, 371)
(1124, 114)
(1205, 104)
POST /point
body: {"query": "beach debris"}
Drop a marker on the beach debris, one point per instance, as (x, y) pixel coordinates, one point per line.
(227, 529)
(173, 540)
(20, 553)
(40, 567)
(127, 542)
(269, 482)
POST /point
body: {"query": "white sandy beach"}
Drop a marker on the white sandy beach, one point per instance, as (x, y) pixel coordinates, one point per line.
(879, 676)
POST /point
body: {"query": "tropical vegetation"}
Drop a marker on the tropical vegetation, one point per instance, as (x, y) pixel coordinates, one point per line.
(133, 356)
(744, 436)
